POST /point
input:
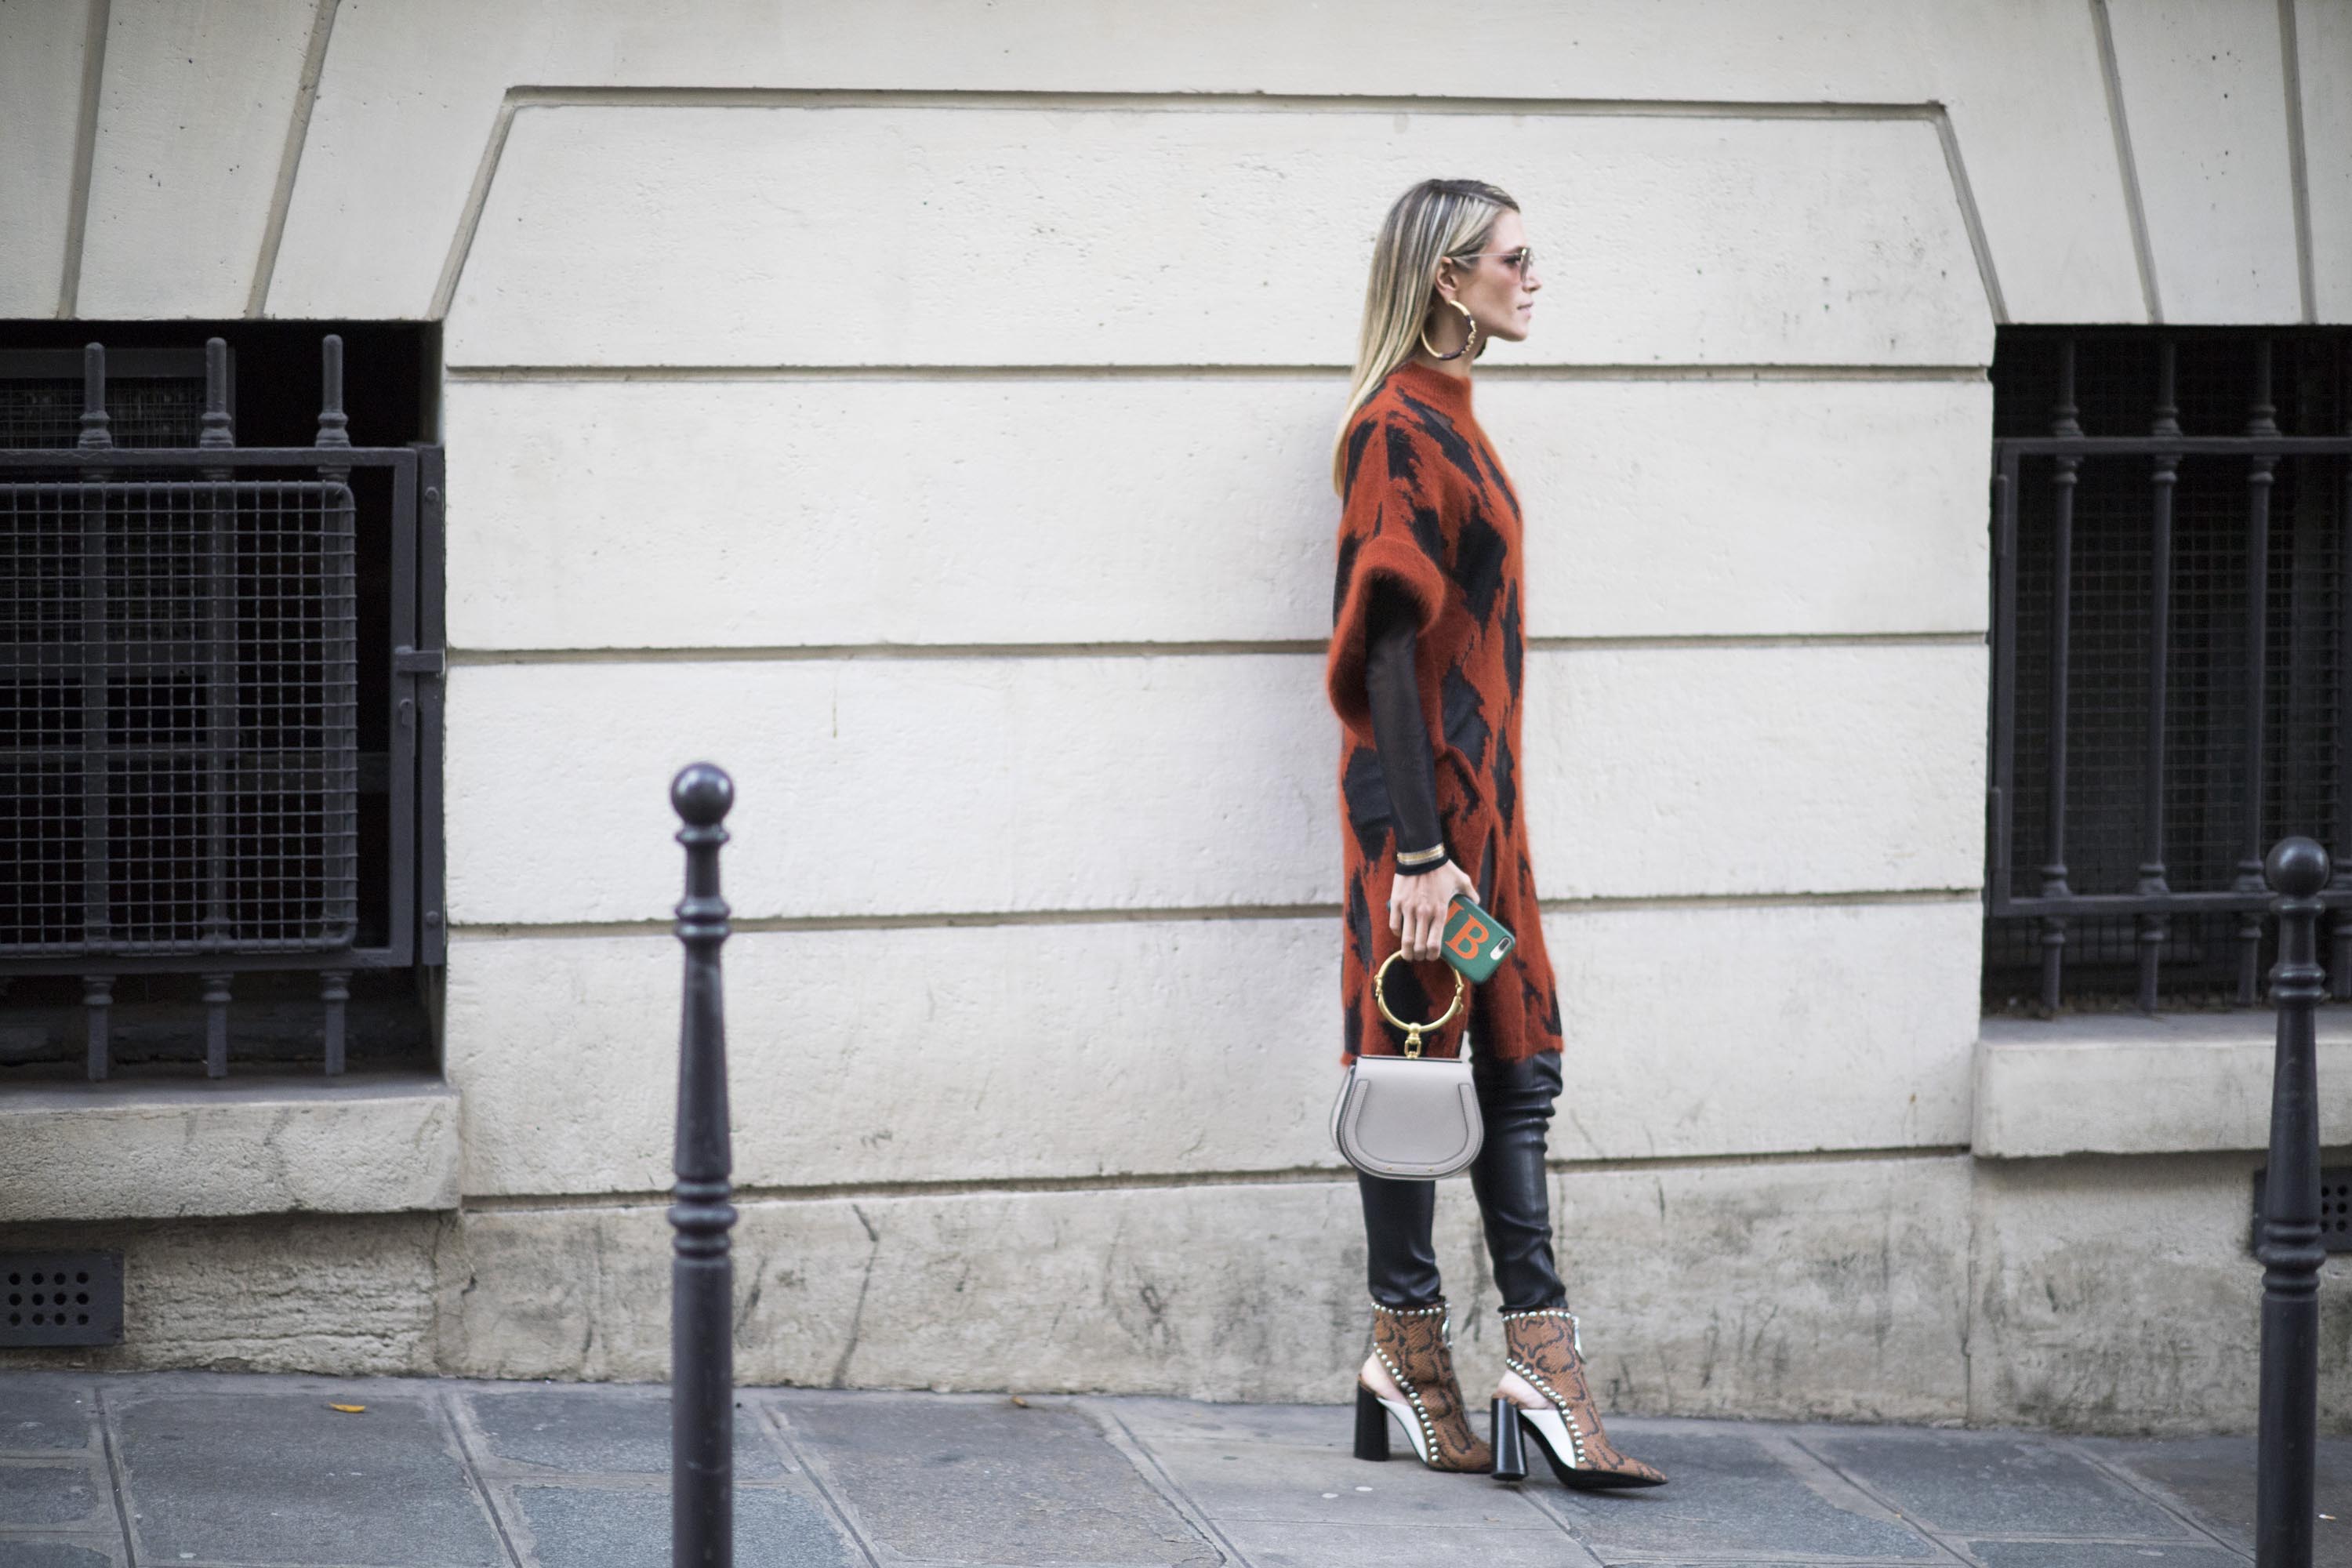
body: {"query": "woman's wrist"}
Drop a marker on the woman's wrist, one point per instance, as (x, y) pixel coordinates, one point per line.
(1421, 862)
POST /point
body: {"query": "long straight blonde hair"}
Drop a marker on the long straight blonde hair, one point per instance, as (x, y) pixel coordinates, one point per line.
(1436, 219)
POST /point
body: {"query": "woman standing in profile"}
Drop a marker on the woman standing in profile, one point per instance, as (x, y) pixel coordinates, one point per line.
(1427, 648)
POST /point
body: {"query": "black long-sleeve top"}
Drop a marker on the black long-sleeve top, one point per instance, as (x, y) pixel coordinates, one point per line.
(1399, 732)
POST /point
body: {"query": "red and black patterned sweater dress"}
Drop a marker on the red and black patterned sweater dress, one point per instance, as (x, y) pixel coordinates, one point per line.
(1429, 521)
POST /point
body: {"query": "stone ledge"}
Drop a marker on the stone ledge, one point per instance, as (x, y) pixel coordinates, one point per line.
(2125, 1084)
(143, 1150)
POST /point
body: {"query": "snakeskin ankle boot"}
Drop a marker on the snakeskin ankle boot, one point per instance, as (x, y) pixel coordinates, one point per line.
(1544, 1347)
(1411, 1343)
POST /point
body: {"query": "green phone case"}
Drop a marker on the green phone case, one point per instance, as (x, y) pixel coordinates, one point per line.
(1475, 941)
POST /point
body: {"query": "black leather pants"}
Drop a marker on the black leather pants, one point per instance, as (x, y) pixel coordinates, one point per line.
(1514, 1202)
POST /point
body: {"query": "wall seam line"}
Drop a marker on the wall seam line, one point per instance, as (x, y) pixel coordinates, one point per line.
(290, 159)
(470, 218)
(2297, 161)
(1949, 138)
(742, 925)
(2127, 167)
(93, 86)
(1174, 1181)
(924, 373)
(825, 653)
(589, 95)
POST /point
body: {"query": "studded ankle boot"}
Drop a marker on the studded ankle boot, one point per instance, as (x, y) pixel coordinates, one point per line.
(1411, 1343)
(1544, 1347)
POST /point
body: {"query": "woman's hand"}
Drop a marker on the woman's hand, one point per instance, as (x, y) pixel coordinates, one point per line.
(1418, 907)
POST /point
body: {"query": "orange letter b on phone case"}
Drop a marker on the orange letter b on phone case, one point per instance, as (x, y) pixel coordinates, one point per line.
(1466, 940)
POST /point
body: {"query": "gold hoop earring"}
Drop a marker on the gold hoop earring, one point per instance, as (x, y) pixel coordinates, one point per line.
(1470, 320)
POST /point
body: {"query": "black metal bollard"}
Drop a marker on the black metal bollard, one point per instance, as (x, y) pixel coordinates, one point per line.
(2296, 868)
(702, 1275)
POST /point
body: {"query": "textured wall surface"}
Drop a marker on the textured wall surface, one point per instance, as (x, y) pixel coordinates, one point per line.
(925, 413)
(2121, 1295)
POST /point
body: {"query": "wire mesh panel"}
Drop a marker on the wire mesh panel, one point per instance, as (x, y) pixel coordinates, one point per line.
(178, 717)
(154, 397)
(146, 411)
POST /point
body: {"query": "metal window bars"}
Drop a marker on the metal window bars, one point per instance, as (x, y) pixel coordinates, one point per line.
(155, 396)
(2172, 658)
(180, 748)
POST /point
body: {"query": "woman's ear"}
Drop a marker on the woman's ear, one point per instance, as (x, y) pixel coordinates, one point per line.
(1447, 282)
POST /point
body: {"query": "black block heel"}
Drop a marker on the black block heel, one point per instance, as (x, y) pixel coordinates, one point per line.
(1371, 1425)
(1510, 1453)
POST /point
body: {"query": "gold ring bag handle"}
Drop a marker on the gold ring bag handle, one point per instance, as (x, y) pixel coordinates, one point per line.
(1412, 1117)
(1413, 1032)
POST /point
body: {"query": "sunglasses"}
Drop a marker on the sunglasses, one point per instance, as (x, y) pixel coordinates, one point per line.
(1518, 261)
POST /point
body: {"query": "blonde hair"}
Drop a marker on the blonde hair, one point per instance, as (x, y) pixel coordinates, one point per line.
(1433, 221)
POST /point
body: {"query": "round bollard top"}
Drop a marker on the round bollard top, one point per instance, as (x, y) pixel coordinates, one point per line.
(701, 794)
(2296, 866)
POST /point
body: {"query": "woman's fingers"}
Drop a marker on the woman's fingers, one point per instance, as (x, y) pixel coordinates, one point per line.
(1417, 918)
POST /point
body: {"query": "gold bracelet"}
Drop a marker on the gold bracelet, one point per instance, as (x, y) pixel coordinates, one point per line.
(1422, 856)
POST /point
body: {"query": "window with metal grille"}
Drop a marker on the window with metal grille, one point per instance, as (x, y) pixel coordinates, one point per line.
(2171, 584)
(219, 701)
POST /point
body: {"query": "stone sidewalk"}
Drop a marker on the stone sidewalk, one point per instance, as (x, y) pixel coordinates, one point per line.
(260, 1472)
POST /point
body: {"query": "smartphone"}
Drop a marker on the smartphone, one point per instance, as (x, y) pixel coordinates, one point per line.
(1475, 942)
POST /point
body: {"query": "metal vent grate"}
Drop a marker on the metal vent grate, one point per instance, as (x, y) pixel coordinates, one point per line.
(60, 1299)
(2334, 1208)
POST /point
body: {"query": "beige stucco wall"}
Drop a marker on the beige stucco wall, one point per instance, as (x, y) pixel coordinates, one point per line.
(924, 413)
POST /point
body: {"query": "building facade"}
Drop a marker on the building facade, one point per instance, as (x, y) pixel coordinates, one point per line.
(925, 413)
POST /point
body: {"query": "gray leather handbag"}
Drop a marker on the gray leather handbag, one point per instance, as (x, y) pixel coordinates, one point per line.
(1410, 1116)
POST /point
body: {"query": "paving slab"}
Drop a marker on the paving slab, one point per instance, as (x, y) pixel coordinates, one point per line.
(1730, 1491)
(1296, 1464)
(252, 1475)
(592, 1527)
(1991, 1484)
(22, 1553)
(41, 1411)
(2093, 1554)
(2212, 1479)
(1409, 1546)
(584, 1429)
(54, 1494)
(950, 1478)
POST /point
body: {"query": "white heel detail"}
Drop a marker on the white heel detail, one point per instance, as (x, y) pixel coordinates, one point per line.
(1411, 1423)
(1558, 1435)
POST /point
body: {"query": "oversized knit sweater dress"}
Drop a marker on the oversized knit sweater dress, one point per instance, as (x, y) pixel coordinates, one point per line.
(1431, 524)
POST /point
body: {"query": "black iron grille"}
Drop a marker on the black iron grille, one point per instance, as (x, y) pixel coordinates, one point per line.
(178, 738)
(220, 713)
(2092, 427)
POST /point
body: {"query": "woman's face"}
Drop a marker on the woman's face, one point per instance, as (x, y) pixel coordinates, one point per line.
(1499, 292)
